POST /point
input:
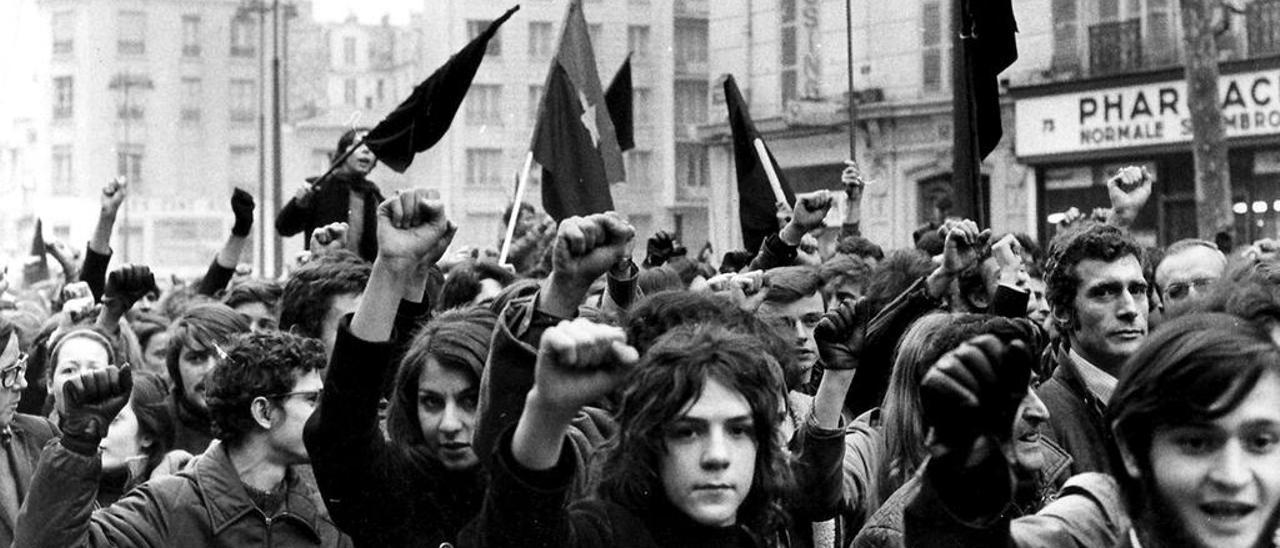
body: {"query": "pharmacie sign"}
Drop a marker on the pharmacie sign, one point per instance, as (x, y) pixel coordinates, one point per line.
(1148, 114)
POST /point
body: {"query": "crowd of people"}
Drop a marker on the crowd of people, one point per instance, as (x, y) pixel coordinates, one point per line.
(969, 390)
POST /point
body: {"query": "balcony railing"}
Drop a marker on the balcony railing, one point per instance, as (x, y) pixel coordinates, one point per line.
(691, 8)
(1264, 27)
(1115, 47)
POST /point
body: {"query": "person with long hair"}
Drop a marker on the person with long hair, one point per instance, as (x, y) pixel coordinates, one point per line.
(698, 459)
(420, 487)
(423, 484)
(1196, 417)
(194, 342)
(137, 440)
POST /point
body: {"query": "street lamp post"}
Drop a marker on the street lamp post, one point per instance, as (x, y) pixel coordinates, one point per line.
(124, 83)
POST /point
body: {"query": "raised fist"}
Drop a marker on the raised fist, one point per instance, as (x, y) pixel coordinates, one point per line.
(127, 284)
(113, 194)
(580, 362)
(242, 206)
(851, 178)
(841, 334)
(661, 246)
(587, 247)
(811, 209)
(329, 239)
(411, 227)
(962, 241)
(93, 399)
(975, 390)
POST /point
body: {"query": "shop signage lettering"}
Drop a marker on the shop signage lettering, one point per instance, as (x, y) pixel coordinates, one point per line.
(1151, 114)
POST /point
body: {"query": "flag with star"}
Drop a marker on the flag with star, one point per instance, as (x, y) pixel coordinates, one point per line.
(574, 139)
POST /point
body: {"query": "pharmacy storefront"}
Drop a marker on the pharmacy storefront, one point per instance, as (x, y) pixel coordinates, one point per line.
(1077, 134)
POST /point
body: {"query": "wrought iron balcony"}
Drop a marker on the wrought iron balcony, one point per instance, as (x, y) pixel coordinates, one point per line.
(1115, 47)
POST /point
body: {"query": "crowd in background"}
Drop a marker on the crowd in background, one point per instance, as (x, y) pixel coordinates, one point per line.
(973, 389)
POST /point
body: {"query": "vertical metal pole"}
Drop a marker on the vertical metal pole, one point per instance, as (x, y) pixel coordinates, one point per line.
(126, 156)
(853, 108)
(276, 173)
(263, 231)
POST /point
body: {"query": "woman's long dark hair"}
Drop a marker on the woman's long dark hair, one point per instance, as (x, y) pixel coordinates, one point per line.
(458, 339)
(667, 381)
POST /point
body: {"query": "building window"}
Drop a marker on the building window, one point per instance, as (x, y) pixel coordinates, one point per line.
(639, 165)
(190, 35)
(243, 165)
(1066, 41)
(931, 42)
(691, 102)
(349, 51)
(243, 100)
(63, 96)
(243, 37)
(133, 33)
(484, 167)
(594, 30)
(63, 26)
(129, 164)
(474, 28)
(540, 40)
(63, 183)
(484, 105)
(535, 101)
(642, 106)
(692, 167)
(638, 41)
(349, 92)
(131, 104)
(192, 99)
(1163, 44)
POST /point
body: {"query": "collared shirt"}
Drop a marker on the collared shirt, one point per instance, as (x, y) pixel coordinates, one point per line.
(1100, 383)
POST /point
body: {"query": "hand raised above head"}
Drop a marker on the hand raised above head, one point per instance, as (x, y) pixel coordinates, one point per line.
(975, 390)
(411, 227)
(581, 361)
(841, 334)
(586, 247)
(962, 241)
(92, 401)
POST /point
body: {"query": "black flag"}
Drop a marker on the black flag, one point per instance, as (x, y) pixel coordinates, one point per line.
(36, 266)
(621, 107)
(985, 46)
(757, 207)
(422, 119)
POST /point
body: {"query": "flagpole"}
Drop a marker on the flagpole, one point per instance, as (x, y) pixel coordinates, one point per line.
(853, 112)
(778, 195)
(521, 186)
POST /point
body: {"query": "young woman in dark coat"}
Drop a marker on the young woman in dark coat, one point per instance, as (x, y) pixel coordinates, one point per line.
(423, 485)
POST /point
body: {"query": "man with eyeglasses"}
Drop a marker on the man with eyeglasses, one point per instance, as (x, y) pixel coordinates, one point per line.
(243, 491)
(21, 435)
(1188, 269)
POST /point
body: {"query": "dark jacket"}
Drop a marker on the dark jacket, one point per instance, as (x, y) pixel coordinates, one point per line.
(883, 331)
(379, 492)
(885, 528)
(192, 428)
(533, 508)
(27, 435)
(330, 202)
(204, 505)
(507, 378)
(1077, 422)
